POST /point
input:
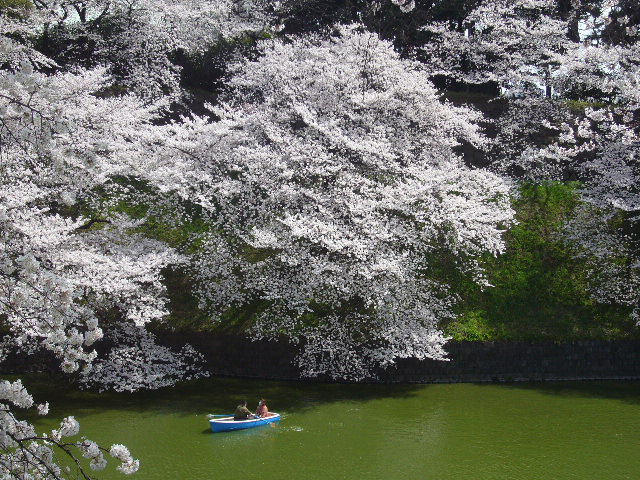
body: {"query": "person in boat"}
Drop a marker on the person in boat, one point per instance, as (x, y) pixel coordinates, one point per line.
(262, 410)
(242, 412)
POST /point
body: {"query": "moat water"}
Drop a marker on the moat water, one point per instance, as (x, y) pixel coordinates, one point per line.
(574, 430)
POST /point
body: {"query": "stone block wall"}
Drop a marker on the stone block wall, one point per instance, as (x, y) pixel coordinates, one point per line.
(469, 361)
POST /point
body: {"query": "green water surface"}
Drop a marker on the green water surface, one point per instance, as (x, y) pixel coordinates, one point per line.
(375, 432)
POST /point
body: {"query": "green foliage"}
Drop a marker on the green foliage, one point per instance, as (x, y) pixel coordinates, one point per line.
(184, 237)
(15, 8)
(539, 285)
(15, 4)
(471, 326)
(579, 106)
(185, 314)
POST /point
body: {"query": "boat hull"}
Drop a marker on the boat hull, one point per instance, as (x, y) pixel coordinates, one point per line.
(227, 424)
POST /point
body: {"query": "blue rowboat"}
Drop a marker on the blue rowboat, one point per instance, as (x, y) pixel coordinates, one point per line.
(228, 424)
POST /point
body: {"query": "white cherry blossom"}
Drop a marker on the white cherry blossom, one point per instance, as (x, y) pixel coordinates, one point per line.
(333, 184)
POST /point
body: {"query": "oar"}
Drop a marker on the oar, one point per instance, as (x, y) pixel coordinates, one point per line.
(220, 415)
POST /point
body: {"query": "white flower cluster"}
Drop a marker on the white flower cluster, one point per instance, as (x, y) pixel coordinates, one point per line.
(405, 5)
(612, 191)
(129, 465)
(136, 39)
(59, 269)
(137, 362)
(69, 427)
(15, 393)
(511, 42)
(17, 35)
(612, 256)
(516, 150)
(603, 149)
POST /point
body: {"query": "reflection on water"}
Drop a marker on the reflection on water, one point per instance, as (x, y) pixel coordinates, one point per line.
(240, 437)
(423, 432)
(294, 429)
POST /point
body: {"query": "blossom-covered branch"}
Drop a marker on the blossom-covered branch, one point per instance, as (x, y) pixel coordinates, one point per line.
(27, 454)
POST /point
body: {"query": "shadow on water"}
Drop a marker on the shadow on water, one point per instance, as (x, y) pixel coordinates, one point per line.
(215, 395)
(220, 395)
(627, 391)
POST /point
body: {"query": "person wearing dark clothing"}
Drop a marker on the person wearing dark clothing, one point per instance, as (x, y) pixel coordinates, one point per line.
(242, 412)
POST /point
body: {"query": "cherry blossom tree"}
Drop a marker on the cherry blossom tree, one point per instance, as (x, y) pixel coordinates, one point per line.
(68, 258)
(605, 148)
(333, 184)
(136, 39)
(597, 146)
(588, 53)
(511, 43)
(60, 142)
(329, 177)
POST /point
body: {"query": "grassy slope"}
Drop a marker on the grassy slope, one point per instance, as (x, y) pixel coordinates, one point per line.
(540, 288)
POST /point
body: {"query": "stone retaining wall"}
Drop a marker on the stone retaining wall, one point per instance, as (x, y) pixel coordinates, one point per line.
(470, 361)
